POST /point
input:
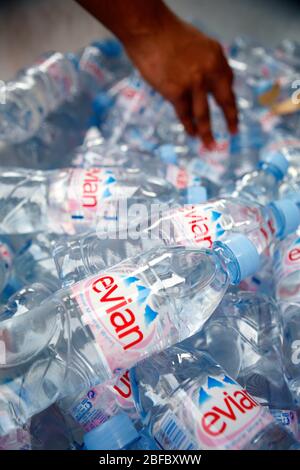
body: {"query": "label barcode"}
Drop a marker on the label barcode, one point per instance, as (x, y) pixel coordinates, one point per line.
(172, 436)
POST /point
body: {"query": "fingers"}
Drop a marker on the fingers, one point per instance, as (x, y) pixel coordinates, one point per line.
(184, 111)
(201, 114)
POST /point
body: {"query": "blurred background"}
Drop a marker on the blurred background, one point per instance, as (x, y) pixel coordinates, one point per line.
(30, 27)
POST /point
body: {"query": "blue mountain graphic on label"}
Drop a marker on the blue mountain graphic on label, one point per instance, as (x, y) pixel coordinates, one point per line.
(111, 179)
(213, 383)
(150, 315)
(106, 193)
(143, 294)
(215, 215)
(219, 230)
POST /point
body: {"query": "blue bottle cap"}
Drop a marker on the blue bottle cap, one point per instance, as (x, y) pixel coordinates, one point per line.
(243, 252)
(276, 161)
(287, 215)
(116, 433)
(196, 194)
(167, 154)
(109, 47)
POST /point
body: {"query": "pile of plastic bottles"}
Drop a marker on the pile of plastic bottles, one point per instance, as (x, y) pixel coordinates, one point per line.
(150, 288)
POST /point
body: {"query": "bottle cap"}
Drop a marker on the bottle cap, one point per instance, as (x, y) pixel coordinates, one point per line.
(116, 433)
(109, 47)
(287, 216)
(276, 161)
(244, 253)
(196, 194)
(167, 154)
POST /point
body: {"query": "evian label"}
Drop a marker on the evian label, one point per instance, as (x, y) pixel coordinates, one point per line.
(91, 194)
(123, 392)
(198, 226)
(118, 310)
(229, 417)
(90, 63)
(287, 262)
(181, 178)
(133, 96)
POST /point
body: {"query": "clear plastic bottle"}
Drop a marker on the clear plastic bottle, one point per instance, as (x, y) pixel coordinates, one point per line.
(35, 93)
(262, 185)
(102, 64)
(74, 200)
(244, 336)
(100, 403)
(190, 403)
(193, 226)
(164, 165)
(85, 335)
(290, 314)
(136, 109)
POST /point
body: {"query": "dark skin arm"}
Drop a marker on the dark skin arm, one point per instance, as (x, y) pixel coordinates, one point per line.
(180, 62)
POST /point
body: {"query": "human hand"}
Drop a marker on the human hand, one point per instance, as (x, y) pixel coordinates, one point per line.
(185, 65)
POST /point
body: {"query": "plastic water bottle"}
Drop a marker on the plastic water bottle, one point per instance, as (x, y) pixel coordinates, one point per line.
(136, 105)
(286, 265)
(34, 262)
(118, 433)
(192, 226)
(288, 144)
(165, 165)
(262, 185)
(73, 200)
(291, 347)
(190, 403)
(55, 79)
(84, 335)
(92, 409)
(244, 336)
(58, 136)
(35, 93)
(102, 64)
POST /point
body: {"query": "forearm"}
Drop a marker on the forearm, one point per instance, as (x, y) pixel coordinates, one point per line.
(131, 20)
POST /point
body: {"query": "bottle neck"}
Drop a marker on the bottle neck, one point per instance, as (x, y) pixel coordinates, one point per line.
(270, 169)
(276, 221)
(228, 262)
